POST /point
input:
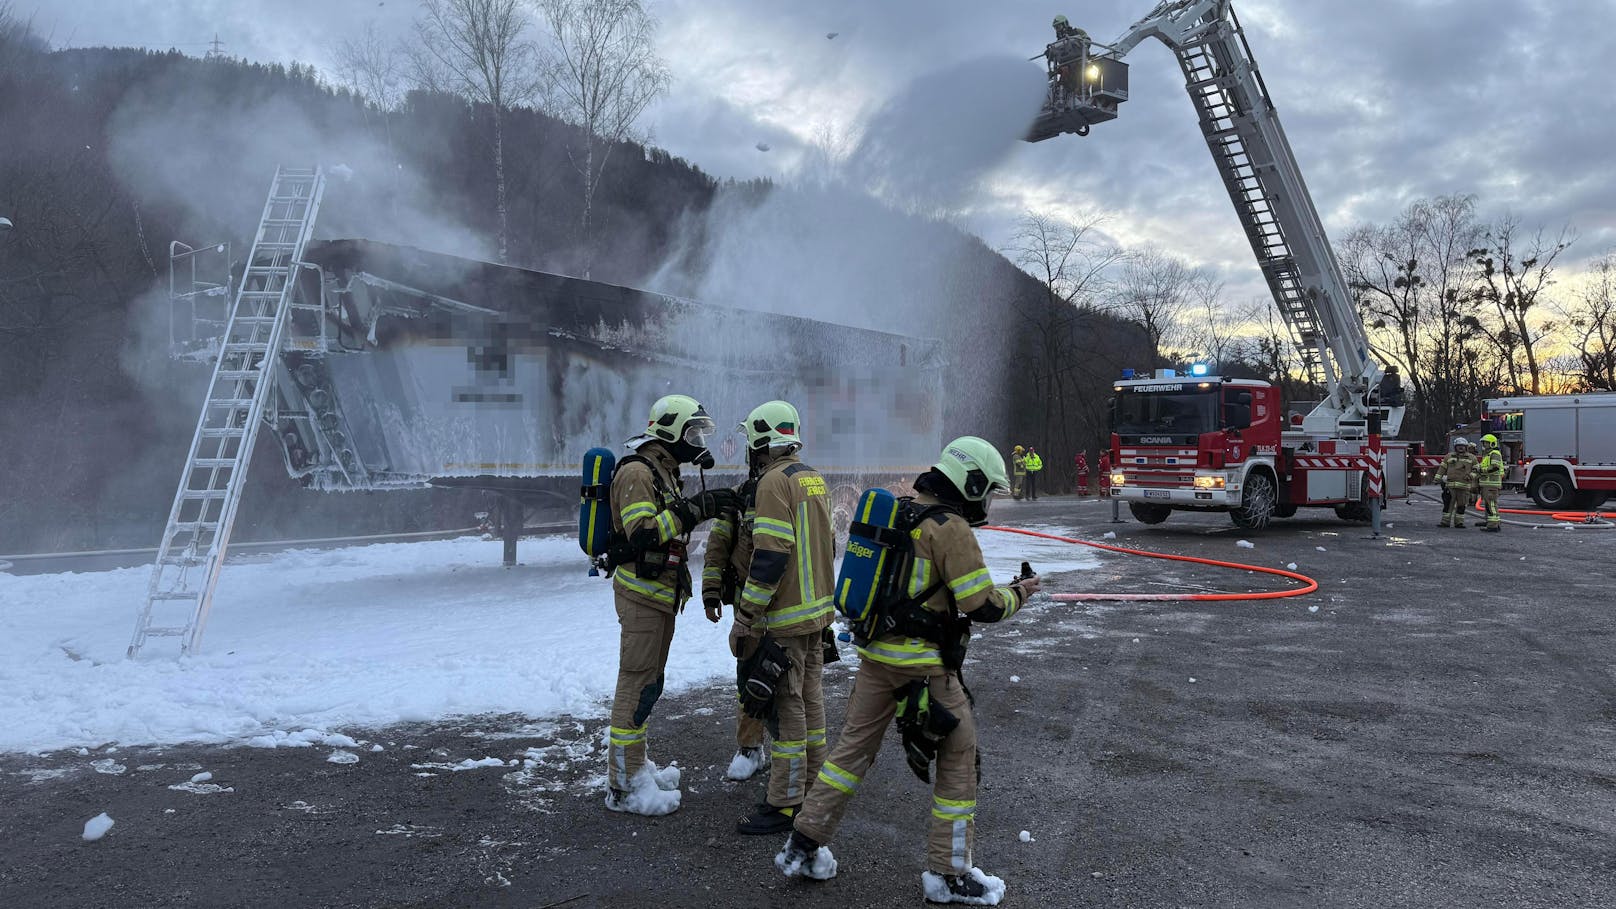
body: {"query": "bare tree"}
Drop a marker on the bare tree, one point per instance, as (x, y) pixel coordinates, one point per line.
(1153, 289)
(1513, 281)
(371, 67)
(478, 49)
(606, 73)
(1592, 324)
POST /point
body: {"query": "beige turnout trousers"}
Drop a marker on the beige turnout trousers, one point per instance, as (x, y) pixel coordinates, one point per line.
(799, 741)
(870, 709)
(642, 656)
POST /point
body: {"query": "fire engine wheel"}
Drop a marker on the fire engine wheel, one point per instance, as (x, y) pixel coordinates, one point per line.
(1146, 513)
(1284, 510)
(843, 499)
(1551, 491)
(1256, 505)
(1357, 512)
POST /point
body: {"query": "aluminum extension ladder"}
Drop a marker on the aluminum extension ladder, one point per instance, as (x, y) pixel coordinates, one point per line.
(198, 532)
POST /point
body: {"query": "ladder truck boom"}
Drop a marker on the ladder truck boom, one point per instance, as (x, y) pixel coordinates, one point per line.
(1253, 156)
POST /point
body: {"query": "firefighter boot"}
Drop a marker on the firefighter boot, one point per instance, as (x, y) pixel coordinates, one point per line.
(801, 856)
(767, 819)
(972, 888)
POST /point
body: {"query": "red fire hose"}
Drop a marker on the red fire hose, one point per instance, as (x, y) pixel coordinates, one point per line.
(1311, 585)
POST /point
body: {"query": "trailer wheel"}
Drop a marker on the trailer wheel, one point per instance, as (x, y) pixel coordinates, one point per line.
(1146, 513)
(843, 500)
(1551, 490)
(1257, 504)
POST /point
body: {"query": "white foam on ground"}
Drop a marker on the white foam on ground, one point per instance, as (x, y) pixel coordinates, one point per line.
(936, 889)
(97, 827)
(304, 642)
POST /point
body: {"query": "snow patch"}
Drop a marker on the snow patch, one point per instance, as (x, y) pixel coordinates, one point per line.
(97, 827)
(108, 766)
(342, 757)
(1026, 836)
(646, 794)
(202, 777)
(742, 766)
(821, 866)
(1290, 566)
(1245, 544)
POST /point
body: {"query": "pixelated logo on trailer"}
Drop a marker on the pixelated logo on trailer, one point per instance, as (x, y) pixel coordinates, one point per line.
(728, 448)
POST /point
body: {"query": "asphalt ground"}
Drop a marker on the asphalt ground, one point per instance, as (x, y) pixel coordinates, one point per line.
(1435, 727)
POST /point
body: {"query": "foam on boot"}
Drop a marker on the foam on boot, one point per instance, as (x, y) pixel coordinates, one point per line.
(667, 778)
(744, 764)
(820, 866)
(645, 796)
(936, 889)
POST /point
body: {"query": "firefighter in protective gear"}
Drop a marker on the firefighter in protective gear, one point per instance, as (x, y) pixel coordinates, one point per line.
(1018, 467)
(949, 587)
(652, 517)
(1035, 466)
(724, 566)
(1105, 473)
(788, 597)
(1080, 464)
(1457, 475)
(1490, 478)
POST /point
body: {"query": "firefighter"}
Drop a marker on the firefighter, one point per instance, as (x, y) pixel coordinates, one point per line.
(1105, 473)
(724, 565)
(920, 662)
(1490, 478)
(1035, 466)
(651, 524)
(1457, 474)
(1018, 463)
(784, 608)
(1080, 463)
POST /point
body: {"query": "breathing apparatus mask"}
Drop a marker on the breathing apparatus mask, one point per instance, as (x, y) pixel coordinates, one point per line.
(975, 511)
(691, 447)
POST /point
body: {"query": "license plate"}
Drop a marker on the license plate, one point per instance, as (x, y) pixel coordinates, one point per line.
(1157, 494)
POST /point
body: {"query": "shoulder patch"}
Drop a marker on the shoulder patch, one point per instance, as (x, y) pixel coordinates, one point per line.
(794, 469)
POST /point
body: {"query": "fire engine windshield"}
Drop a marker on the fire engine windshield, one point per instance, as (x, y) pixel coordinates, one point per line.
(1166, 413)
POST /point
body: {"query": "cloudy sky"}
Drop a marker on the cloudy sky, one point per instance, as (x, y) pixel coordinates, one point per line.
(1385, 101)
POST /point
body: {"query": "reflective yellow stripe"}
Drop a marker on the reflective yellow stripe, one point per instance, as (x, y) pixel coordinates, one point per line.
(973, 583)
(770, 527)
(620, 736)
(953, 810)
(638, 510)
(789, 749)
(1007, 601)
(805, 567)
(911, 652)
(816, 737)
(757, 594)
(656, 590)
(667, 527)
(720, 529)
(920, 578)
(837, 778)
(805, 612)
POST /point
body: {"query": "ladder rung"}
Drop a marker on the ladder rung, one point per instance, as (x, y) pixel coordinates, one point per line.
(161, 631)
(176, 594)
(195, 526)
(257, 320)
(230, 402)
(204, 494)
(214, 462)
(247, 347)
(182, 561)
(234, 375)
(223, 432)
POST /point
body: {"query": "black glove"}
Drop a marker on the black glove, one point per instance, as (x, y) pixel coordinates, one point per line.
(922, 726)
(704, 505)
(763, 670)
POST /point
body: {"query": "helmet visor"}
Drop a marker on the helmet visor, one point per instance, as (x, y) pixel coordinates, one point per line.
(698, 430)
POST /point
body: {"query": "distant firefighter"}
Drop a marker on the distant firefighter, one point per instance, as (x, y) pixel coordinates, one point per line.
(1080, 464)
(1458, 476)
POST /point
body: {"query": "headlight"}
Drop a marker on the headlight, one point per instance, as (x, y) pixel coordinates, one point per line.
(1118, 479)
(1209, 482)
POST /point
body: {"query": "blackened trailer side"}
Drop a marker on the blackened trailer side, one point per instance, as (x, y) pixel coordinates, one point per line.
(417, 368)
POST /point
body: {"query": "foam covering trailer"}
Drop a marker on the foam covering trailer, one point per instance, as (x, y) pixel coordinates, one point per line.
(419, 369)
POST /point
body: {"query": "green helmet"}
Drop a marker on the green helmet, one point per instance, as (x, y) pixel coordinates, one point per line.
(974, 466)
(773, 424)
(1060, 21)
(1489, 441)
(679, 417)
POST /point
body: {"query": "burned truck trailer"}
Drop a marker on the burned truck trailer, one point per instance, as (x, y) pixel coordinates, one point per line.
(405, 368)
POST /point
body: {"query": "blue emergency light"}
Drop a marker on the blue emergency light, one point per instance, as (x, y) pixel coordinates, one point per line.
(1127, 373)
(1198, 369)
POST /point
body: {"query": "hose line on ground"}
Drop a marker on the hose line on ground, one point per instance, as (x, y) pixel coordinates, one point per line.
(1311, 585)
(1579, 520)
